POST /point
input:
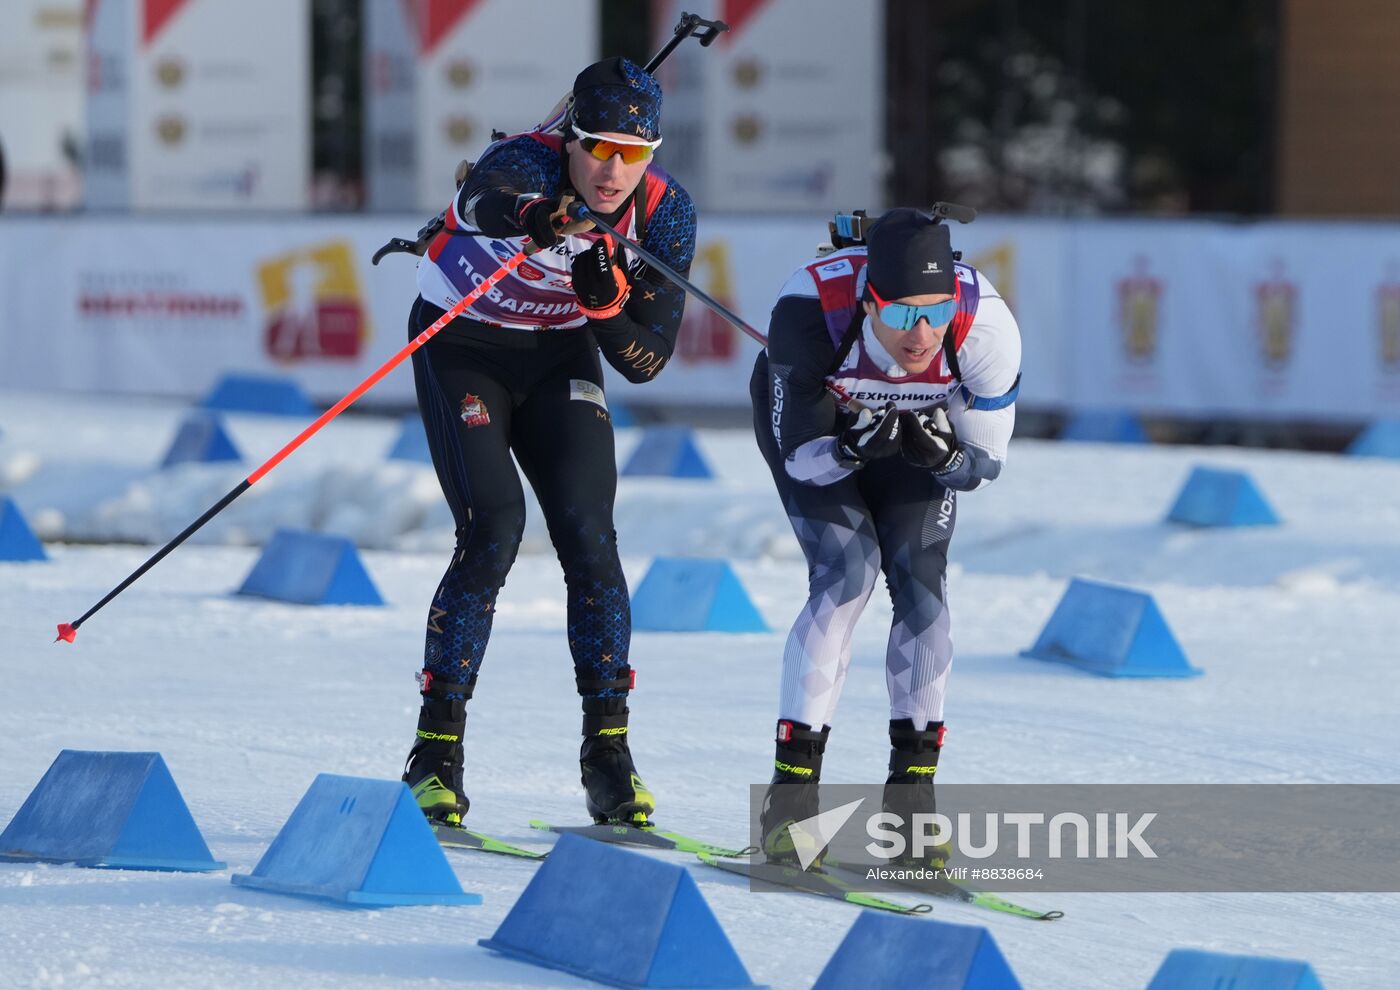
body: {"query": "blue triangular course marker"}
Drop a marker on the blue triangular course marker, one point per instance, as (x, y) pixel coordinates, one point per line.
(886, 950)
(17, 540)
(1110, 631)
(667, 452)
(116, 810)
(258, 394)
(361, 842)
(1380, 439)
(567, 919)
(1104, 426)
(308, 568)
(693, 594)
(412, 442)
(1190, 969)
(1218, 497)
(201, 438)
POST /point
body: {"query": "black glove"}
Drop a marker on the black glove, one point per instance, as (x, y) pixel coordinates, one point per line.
(535, 216)
(874, 433)
(599, 282)
(545, 220)
(928, 441)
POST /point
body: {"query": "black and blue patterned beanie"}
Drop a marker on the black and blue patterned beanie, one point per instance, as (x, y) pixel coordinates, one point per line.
(617, 95)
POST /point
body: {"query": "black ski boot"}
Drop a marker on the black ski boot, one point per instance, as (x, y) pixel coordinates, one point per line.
(909, 788)
(792, 794)
(614, 791)
(434, 768)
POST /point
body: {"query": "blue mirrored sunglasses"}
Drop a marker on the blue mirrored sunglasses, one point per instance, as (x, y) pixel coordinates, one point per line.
(899, 316)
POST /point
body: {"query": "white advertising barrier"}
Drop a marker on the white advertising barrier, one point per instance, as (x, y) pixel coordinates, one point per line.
(41, 102)
(1281, 319)
(199, 104)
(157, 306)
(441, 75)
(783, 112)
(166, 307)
(1172, 318)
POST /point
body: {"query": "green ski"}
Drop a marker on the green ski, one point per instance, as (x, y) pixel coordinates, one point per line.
(815, 881)
(954, 889)
(648, 836)
(461, 838)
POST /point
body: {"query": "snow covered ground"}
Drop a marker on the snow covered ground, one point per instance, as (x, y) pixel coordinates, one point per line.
(249, 700)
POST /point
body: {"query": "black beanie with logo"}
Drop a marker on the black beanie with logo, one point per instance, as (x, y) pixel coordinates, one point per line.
(909, 255)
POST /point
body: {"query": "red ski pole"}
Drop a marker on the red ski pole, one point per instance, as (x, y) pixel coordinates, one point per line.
(69, 630)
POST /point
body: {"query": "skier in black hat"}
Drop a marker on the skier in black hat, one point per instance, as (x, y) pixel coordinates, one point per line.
(518, 373)
(928, 355)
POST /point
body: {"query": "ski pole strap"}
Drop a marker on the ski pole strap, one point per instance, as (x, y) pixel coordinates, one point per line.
(432, 686)
(625, 680)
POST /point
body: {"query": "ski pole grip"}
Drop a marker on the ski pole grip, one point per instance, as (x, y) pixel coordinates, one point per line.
(577, 210)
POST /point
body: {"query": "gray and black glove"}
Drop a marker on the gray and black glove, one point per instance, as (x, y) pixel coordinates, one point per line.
(874, 433)
(927, 440)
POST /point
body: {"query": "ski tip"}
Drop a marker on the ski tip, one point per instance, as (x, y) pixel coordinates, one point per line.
(66, 632)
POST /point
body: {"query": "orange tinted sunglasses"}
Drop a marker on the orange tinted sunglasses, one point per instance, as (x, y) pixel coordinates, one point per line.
(603, 148)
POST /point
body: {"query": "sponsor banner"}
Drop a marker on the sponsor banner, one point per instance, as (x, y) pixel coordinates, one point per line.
(783, 112)
(41, 102)
(200, 104)
(443, 74)
(1200, 319)
(1137, 294)
(166, 308)
(1171, 318)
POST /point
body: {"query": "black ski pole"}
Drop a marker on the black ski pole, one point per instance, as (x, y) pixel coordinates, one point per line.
(580, 211)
